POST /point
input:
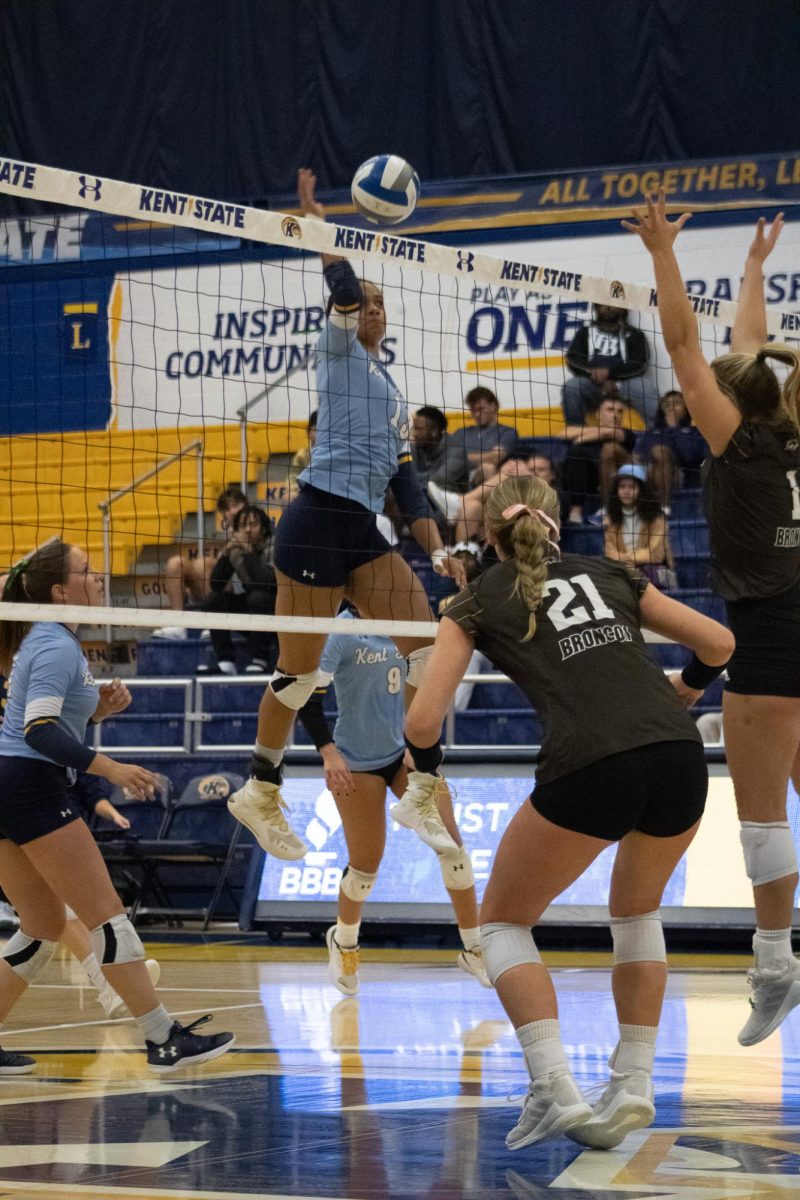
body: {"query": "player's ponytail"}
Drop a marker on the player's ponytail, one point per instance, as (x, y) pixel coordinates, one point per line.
(755, 389)
(31, 581)
(522, 513)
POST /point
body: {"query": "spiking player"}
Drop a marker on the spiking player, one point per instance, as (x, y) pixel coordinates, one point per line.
(363, 761)
(327, 544)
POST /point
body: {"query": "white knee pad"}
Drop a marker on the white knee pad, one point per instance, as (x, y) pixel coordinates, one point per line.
(769, 851)
(457, 871)
(638, 939)
(506, 946)
(28, 956)
(417, 661)
(356, 884)
(116, 942)
(294, 690)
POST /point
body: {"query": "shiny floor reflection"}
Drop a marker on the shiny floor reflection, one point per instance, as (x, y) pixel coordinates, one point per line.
(405, 1092)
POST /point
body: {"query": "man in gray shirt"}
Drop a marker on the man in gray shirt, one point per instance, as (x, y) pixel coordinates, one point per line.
(486, 443)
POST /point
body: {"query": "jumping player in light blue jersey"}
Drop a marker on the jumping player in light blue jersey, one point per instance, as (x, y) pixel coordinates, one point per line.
(328, 546)
(48, 857)
(363, 760)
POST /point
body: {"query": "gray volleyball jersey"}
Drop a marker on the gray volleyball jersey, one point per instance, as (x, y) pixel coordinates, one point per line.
(751, 494)
(586, 670)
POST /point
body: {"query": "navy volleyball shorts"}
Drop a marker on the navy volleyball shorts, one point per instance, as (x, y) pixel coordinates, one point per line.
(387, 773)
(659, 789)
(34, 799)
(321, 538)
(766, 661)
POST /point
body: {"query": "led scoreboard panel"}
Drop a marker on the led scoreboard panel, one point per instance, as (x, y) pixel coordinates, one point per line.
(709, 886)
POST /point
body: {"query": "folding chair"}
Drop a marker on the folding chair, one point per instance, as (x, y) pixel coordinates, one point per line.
(122, 848)
(196, 852)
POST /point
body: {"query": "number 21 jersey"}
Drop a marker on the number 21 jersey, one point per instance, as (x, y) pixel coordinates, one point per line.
(586, 670)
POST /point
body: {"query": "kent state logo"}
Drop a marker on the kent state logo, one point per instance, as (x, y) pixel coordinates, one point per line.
(290, 228)
(90, 190)
(464, 260)
(617, 290)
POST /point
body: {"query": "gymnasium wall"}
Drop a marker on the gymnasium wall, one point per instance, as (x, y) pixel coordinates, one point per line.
(228, 99)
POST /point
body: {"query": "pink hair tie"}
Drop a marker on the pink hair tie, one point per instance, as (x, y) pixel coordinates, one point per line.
(515, 510)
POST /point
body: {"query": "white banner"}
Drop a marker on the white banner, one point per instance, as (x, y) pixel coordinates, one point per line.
(195, 344)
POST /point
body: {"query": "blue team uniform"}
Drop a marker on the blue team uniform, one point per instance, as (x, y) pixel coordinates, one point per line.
(362, 424)
(50, 678)
(369, 675)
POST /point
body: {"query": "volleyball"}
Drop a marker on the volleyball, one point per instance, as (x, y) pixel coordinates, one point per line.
(385, 189)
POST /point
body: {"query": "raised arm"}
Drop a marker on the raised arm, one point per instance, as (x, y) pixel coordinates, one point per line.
(311, 207)
(749, 332)
(714, 413)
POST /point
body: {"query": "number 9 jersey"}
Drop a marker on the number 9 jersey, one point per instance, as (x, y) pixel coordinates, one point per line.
(586, 670)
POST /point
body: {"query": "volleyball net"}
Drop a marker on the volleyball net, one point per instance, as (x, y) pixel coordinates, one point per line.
(162, 351)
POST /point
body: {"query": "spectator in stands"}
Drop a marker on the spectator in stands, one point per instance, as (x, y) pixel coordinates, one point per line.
(594, 455)
(243, 581)
(608, 353)
(486, 442)
(466, 512)
(188, 574)
(436, 456)
(674, 448)
(636, 528)
(303, 456)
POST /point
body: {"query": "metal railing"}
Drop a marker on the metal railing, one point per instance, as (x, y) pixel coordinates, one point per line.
(195, 716)
(105, 506)
(242, 413)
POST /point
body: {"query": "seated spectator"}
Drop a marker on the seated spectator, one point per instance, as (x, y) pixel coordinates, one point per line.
(608, 353)
(486, 443)
(636, 528)
(187, 577)
(466, 512)
(674, 449)
(594, 454)
(303, 456)
(243, 581)
(436, 456)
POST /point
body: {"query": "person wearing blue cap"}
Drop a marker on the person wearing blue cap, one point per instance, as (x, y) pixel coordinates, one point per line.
(636, 528)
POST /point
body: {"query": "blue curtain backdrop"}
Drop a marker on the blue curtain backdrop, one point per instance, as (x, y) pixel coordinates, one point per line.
(228, 97)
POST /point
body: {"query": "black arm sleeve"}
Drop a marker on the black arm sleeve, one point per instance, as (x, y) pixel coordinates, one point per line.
(314, 721)
(221, 574)
(407, 491)
(52, 740)
(345, 288)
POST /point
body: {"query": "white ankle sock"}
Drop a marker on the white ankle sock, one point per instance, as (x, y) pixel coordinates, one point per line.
(347, 935)
(635, 1050)
(541, 1046)
(471, 938)
(155, 1025)
(272, 756)
(772, 948)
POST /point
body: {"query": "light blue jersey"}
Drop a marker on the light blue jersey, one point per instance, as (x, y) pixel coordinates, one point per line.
(369, 675)
(362, 423)
(50, 678)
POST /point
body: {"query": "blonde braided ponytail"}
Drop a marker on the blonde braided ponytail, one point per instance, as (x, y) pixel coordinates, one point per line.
(524, 536)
